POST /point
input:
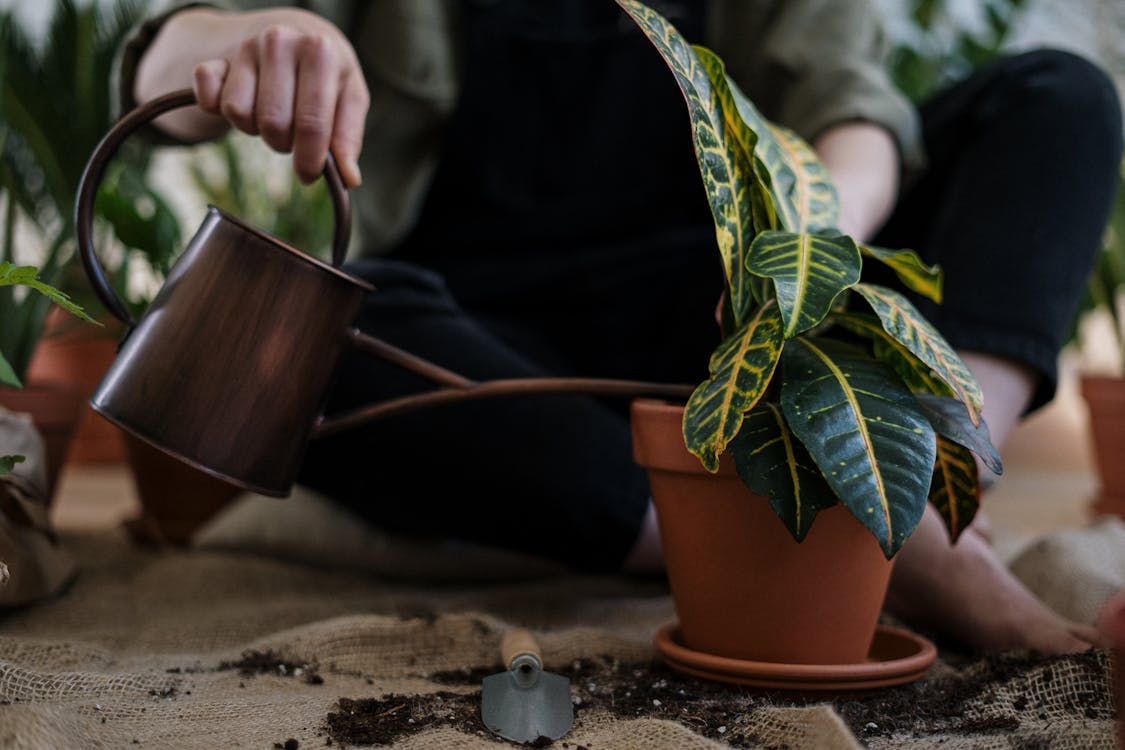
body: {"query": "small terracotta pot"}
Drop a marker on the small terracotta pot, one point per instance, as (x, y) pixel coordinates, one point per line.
(82, 360)
(176, 499)
(1105, 397)
(743, 588)
(55, 408)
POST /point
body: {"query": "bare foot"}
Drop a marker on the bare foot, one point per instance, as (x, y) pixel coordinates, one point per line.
(647, 555)
(982, 525)
(964, 591)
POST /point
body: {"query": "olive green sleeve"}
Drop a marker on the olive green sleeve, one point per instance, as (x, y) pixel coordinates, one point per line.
(812, 64)
(130, 53)
(158, 12)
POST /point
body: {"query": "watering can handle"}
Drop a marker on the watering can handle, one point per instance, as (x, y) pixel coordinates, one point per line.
(95, 171)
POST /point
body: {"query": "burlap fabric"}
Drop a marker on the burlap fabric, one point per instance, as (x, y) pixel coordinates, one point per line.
(32, 562)
(1093, 558)
(144, 650)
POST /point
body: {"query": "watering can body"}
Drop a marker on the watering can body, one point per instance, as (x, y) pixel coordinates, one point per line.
(228, 367)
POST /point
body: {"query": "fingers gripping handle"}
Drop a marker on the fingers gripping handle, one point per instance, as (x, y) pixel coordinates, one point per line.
(95, 172)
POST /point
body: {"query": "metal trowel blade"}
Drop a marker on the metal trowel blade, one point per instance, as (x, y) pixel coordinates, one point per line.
(525, 705)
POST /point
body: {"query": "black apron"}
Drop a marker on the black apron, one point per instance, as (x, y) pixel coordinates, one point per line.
(570, 136)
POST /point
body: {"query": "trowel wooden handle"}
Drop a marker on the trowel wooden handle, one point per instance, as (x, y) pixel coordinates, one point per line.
(517, 642)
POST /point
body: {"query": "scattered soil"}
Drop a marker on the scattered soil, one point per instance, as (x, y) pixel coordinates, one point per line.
(980, 698)
(270, 662)
(371, 721)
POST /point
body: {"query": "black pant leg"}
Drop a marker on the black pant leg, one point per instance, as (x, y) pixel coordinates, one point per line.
(547, 475)
(1023, 163)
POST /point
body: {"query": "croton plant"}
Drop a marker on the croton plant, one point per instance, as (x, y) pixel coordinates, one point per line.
(817, 400)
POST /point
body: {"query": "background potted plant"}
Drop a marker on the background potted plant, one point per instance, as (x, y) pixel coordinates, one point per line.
(54, 107)
(27, 276)
(842, 424)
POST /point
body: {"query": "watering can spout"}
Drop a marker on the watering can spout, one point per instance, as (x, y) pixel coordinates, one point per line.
(454, 387)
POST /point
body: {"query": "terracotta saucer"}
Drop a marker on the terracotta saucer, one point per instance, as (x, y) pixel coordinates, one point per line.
(896, 657)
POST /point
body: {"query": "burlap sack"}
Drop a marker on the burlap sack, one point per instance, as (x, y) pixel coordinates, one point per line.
(176, 648)
(1076, 571)
(32, 562)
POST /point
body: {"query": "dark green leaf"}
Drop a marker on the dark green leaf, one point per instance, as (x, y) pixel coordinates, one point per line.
(774, 464)
(809, 272)
(926, 280)
(810, 205)
(955, 488)
(721, 141)
(903, 321)
(741, 369)
(915, 373)
(950, 421)
(8, 463)
(155, 231)
(7, 374)
(865, 431)
(803, 196)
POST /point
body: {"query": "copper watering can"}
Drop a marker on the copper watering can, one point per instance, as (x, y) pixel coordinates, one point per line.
(228, 368)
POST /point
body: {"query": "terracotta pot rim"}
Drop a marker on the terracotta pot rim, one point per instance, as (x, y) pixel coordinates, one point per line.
(1102, 388)
(660, 454)
(1101, 378)
(896, 656)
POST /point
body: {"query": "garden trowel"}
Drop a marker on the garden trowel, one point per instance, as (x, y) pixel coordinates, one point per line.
(525, 704)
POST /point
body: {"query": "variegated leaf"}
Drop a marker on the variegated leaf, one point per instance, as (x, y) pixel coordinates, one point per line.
(774, 464)
(950, 421)
(725, 157)
(741, 369)
(910, 269)
(802, 189)
(865, 431)
(761, 201)
(903, 321)
(917, 375)
(955, 488)
(808, 270)
(811, 204)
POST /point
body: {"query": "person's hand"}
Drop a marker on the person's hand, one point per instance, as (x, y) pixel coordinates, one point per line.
(298, 84)
(282, 73)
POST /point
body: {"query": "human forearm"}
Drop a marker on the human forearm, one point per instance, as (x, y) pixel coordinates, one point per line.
(863, 160)
(284, 73)
(186, 39)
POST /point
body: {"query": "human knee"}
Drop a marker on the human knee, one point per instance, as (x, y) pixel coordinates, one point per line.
(1059, 85)
(402, 287)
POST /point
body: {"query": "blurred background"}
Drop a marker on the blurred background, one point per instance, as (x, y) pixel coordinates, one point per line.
(56, 60)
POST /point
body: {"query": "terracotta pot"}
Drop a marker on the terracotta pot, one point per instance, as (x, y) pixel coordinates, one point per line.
(55, 408)
(743, 588)
(176, 499)
(1105, 397)
(79, 358)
